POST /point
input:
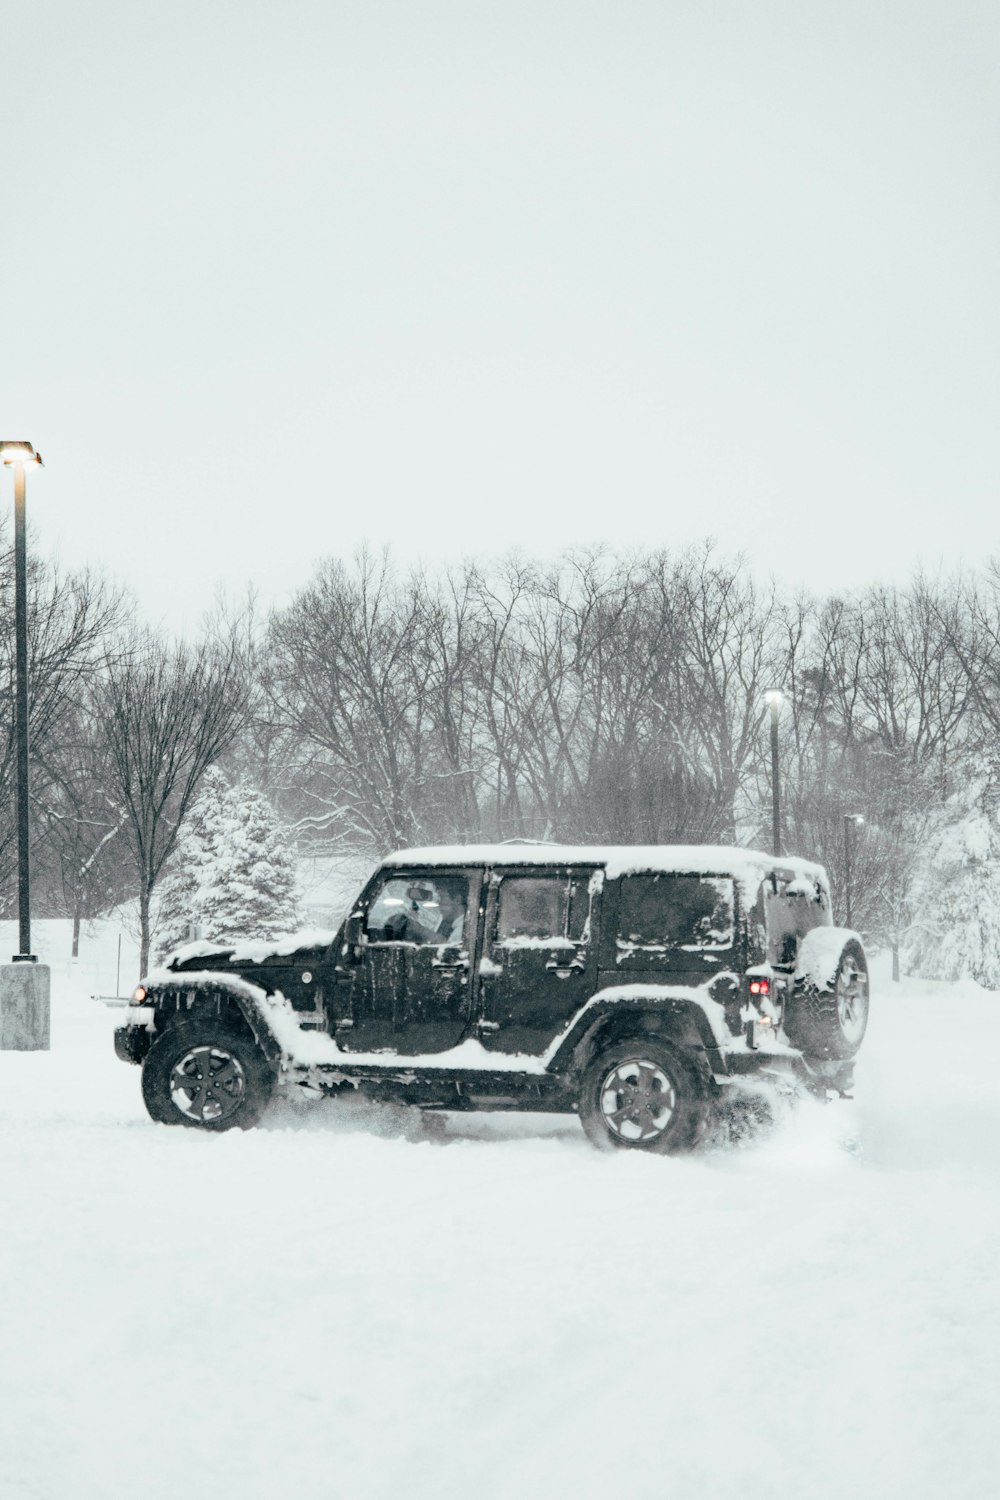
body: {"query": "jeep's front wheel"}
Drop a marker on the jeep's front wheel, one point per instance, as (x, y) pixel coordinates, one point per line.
(642, 1095)
(207, 1077)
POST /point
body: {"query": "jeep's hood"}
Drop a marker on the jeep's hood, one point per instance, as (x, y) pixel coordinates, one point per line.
(204, 955)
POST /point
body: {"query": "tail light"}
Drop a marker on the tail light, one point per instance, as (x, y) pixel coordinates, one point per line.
(760, 988)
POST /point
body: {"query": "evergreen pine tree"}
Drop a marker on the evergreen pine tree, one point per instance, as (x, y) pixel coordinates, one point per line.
(191, 866)
(956, 930)
(253, 890)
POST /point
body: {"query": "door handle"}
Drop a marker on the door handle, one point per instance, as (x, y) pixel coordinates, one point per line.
(563, 971)
(452, 968)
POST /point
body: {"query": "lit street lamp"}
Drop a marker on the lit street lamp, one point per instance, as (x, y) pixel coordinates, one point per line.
(21, 456)
(851, 822)
(774, 703)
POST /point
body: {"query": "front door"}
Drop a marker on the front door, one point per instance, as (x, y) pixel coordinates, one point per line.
(540, 956)
(410, 989)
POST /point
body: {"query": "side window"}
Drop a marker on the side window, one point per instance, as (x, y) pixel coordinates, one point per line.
(387, 911)
(532, 908)
(420, 910)
(675, 912)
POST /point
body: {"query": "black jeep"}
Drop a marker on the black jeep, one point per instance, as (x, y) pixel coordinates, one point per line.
(634, 985)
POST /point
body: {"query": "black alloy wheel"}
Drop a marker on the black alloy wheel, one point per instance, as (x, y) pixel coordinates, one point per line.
(642, 1095)
(201, 1075)
(207, 1084)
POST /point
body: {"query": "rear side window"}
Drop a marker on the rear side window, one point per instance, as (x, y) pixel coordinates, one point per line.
(675, 912)
(550, 907)
(533, 908)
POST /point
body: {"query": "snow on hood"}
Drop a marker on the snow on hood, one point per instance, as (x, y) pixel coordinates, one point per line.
(254, 951)
(188, 951)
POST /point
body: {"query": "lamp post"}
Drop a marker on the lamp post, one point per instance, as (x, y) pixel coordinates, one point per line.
(851, 822)
(774, 703)
(21, 456)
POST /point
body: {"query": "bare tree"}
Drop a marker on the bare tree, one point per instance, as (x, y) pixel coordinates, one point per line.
(70, 619)
(879, 708)
(733, 655)
(167, 714)
(84, 864)
(372, 681)
(507, 695)
(612, 696)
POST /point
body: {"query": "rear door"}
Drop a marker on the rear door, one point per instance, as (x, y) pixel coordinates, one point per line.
(539, 961)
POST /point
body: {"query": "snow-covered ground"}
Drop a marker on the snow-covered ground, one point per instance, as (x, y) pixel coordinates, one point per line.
(325, 1306)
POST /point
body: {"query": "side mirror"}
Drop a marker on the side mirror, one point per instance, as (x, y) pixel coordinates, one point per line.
(355, 939)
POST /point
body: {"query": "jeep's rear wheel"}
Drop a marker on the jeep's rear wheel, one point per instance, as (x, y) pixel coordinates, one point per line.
(829, 1021)
(204, 1076)
(641, 1095)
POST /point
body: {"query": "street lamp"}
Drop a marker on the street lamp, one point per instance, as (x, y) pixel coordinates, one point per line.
(774, 703)
(21, 456)
(851, 822)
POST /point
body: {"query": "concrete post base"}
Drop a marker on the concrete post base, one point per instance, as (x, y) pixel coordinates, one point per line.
(24, 1007)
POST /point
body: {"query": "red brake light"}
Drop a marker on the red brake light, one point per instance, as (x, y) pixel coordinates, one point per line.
(138, 994)
(760, 986)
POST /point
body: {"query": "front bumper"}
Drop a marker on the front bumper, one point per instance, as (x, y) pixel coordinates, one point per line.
(132, 1043)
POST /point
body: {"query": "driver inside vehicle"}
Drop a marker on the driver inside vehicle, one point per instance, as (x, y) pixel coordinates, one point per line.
(451, 902)
(425, 912)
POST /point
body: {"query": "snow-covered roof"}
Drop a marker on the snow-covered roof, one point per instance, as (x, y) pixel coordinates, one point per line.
(748, 866)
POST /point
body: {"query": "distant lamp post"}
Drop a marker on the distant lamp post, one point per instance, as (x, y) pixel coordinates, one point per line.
(21, 456)
(852, 821)
(774, 703)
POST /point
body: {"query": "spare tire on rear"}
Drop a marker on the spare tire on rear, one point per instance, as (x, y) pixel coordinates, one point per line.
(826, 1015)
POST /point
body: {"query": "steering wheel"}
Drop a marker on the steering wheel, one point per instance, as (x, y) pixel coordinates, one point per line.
(395, 927)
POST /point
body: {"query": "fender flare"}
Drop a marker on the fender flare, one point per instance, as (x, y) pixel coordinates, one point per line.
(673, 1013)
(189, 991)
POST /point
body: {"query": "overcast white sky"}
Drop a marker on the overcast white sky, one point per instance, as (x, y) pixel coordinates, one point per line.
(459, 276)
